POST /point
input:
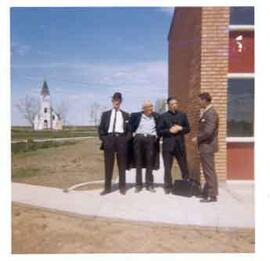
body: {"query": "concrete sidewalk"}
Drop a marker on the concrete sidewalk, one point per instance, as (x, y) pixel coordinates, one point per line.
(235, 208)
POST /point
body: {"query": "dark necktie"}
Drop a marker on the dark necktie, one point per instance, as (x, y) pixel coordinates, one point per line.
(114, 122)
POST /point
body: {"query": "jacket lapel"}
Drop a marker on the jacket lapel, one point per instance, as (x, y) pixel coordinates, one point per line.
(108, 119)
(205, 113)
(125, 119)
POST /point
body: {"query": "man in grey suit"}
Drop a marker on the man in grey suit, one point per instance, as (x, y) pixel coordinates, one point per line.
(207, 141)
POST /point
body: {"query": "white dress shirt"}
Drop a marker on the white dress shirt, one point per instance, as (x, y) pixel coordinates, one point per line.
(119, 125)
(147, 125)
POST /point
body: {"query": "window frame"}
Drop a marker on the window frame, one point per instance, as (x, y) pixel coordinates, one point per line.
(241, 27)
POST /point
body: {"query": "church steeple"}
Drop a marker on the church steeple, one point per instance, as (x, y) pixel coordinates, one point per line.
(47, 118)
(44, 90)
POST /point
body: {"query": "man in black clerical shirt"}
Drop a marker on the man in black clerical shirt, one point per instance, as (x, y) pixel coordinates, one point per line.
(172, 126)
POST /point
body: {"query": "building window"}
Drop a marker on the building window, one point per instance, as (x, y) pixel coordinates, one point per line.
(45, 110)
(53, 117)
(45, 124)
(242, 15)
(240, 108)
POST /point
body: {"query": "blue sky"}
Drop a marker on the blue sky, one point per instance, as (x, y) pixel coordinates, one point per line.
(86, 54)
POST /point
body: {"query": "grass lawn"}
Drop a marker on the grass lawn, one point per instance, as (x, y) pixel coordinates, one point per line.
(36, 230)
(24, 133)
(61, 166)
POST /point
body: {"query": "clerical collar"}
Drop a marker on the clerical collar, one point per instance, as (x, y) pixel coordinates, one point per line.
(173, 112)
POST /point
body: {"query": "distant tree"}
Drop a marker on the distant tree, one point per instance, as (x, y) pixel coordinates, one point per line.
(95, 113)
(62, 110)
(28, 107)
(160, 105)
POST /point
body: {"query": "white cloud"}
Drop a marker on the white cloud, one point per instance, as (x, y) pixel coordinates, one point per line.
(20, 49)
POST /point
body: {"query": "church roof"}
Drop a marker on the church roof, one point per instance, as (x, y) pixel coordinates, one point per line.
(45, 90)
(57, 114)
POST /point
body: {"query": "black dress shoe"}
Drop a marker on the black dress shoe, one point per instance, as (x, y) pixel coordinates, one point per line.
(104, 192)
(168, 190)
(201, 196)
(138, 189)
(151, 189)
(123, 191)
(209, 199)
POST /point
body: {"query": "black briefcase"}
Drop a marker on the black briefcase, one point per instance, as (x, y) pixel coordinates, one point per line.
(186, 188)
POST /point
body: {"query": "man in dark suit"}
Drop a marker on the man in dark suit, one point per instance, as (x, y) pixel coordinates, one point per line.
(207, 141)
(173, 125)
(113, 132)
(146, 144)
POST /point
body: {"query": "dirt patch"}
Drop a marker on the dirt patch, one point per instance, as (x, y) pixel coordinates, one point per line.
(37, 230)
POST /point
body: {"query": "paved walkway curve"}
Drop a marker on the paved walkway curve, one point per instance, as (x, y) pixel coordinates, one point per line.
(235, 208)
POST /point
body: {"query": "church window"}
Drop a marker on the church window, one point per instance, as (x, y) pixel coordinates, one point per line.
(45, 110)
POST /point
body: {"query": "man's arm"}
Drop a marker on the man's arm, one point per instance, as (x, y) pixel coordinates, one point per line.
(210, 127)
(101, 127)
(185, 126)
(129, 132)
(162, 129)
(131, 123)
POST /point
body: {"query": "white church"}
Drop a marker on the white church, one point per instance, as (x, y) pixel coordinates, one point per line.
(47, 118)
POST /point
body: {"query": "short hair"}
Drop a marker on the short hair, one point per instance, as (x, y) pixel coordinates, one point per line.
(170, 99)
(147, 103)
(205, 96)
(117, 96)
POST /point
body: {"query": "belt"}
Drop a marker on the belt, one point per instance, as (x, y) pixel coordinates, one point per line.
(116, 134)
(146, 135)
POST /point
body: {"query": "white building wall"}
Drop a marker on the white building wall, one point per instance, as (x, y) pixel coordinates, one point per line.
(47, 118)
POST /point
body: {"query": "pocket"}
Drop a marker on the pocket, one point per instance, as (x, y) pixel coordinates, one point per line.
(106, 141)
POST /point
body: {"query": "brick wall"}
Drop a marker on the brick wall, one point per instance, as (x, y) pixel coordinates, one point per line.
(214, 72)
(184, 71)
(198, 61)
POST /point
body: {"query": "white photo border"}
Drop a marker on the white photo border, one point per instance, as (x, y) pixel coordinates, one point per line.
(262, 130)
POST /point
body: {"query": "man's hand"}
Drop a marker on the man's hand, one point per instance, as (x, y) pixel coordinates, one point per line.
(178, 127)
(172, 130)
(175, 128)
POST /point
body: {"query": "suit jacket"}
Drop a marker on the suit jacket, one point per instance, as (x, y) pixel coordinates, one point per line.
(134, 122)
(208, 132)
(105, 123)
(171, 140)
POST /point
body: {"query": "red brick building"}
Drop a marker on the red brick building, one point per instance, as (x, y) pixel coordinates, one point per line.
(212, 49)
